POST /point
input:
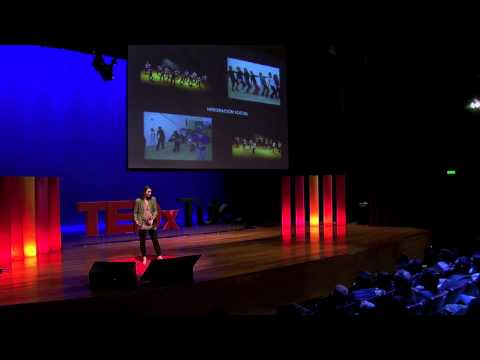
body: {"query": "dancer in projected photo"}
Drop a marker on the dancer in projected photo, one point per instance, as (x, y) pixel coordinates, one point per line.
(177, 140)
(236, 141)
(272, 85)
(148, 70)
(200, 141)
(153, 136)
(263, 81)
(254, 83)
(240, 77)
(246, 76)
(145, 215)
(160, 138)
(257, 146)
(276, 79)
(173, 77)
(233, 79)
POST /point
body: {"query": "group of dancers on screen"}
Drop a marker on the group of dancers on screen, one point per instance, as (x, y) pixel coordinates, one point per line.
(241, 81)
(196, 139)
(175, 77)
(257, 141)
(245, 81)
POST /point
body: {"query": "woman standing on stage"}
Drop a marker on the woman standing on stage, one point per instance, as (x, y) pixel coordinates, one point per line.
(145, 216)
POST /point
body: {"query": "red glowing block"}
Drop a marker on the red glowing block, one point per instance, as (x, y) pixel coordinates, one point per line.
(55, 238)
(41, 214)
(327, 200)
(314, 200)
(340, 200)
(286, 208)
(300, 205)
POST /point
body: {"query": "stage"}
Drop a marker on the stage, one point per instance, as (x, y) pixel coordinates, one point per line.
(242, 271)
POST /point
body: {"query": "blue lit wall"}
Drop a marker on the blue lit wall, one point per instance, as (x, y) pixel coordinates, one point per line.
(58, 117)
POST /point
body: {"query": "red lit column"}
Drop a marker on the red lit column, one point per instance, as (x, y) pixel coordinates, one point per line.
(286, 208)
(28, 217)
(328, 233)
(41, 214)
(340, 200)
(327, 200)
(300, 206)
(5, 242)
(16, 196)
(314, 207)
(54, 239)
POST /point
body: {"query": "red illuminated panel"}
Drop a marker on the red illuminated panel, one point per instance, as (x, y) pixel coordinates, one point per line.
(16, 199)
(41, 214)
(5, 245)
(286, 208)
(300, 206)
(54, 239)
(29, 224)
(314, 240)
(314, 207)
(327, 200)
(340, 197)
(28, 217)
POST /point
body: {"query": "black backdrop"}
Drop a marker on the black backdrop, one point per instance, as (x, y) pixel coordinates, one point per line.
(391, 116)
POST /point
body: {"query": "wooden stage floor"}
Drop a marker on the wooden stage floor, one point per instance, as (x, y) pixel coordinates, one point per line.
(248, 271)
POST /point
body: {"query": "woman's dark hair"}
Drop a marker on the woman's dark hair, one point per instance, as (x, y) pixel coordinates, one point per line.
(145, 190)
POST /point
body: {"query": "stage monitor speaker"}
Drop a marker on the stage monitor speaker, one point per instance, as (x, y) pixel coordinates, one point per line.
(178, 270)
(105, 274)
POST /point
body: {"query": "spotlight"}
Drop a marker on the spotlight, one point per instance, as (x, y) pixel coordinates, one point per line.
(474, 105)
(105, 70)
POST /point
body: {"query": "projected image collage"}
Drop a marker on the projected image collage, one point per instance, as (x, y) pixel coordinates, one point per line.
(177, 137)
(207, 106)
